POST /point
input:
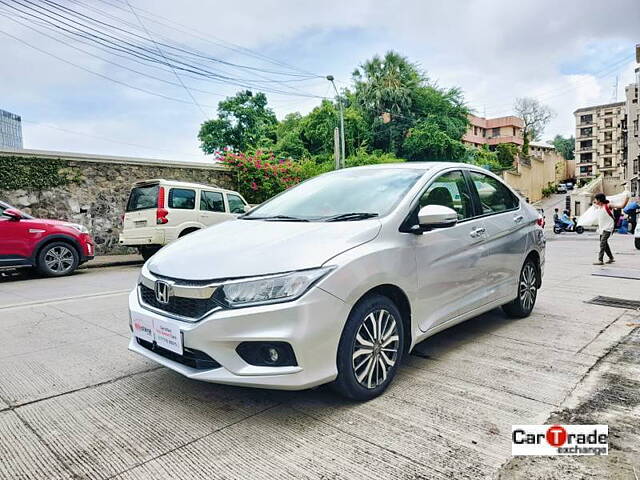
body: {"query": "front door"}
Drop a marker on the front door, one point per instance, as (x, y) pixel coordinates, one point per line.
(449, 275)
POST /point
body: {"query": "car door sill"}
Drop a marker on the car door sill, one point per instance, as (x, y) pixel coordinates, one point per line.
(461, 318)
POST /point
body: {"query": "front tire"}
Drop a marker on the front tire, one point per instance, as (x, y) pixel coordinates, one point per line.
(637, 242)
(528, 283)
(58, 259)
(370, 349)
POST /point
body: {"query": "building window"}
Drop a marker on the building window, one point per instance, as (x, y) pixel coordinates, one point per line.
(495, 132)
(608, 135)
(608, 149)
(586, 157)
(586, 119)
(608, 123)
(586, 132)
(586, 144)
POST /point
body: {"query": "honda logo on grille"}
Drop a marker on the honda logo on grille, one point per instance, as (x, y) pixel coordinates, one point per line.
(163, 292)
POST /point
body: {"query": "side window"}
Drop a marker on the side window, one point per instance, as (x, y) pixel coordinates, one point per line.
(181, 198)
(494, 196)
(449, 190)
(236, 205)
(211, 201)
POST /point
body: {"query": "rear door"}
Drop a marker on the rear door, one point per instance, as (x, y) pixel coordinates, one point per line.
(450, 279)
(181, 204)
(506, 238)
(140, 211)
(212, 208)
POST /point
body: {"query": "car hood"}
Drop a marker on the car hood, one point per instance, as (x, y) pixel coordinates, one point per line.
(246, 248)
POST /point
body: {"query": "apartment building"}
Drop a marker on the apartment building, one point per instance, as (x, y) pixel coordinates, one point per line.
(632, 146)
(493, 131)
(600, 139)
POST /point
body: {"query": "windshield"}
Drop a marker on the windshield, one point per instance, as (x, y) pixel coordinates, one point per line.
(143, 197)
(349, 194)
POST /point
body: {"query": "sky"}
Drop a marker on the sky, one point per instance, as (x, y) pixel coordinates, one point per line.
(567, 54)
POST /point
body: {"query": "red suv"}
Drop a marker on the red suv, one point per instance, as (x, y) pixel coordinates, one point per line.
(55, 248)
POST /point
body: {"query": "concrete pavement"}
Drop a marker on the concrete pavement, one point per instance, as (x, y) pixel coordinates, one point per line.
(74, 403)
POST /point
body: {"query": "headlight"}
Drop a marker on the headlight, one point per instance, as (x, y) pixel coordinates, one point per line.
(270, 289)
(80, 228)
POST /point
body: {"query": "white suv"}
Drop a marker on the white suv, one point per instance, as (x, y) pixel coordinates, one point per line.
(161, 211)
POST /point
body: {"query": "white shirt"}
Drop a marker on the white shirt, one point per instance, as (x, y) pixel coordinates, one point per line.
(605, 222)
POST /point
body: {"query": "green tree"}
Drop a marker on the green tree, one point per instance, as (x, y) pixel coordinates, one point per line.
(506, 154)
(244, 122)
(565, 146)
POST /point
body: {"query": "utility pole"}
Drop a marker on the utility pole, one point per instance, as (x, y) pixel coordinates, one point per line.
(336, 147)
(342, 159)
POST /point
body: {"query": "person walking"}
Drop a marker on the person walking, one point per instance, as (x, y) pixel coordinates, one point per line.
(606, 225)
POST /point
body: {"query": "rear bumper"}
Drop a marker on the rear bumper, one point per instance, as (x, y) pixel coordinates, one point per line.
(132, 238)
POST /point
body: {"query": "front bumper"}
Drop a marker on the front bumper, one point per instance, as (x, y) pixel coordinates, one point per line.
(312, 325)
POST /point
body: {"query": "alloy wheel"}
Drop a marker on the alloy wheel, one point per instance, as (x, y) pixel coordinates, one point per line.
(59, 259)
(375, 349)
(528, 289)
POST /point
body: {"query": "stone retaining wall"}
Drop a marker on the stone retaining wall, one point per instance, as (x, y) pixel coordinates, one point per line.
(97, 198)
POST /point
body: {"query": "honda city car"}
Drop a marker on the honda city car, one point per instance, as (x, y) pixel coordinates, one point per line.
(334, 280)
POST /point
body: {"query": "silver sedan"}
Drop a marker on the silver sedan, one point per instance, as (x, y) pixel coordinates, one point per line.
(334, 280)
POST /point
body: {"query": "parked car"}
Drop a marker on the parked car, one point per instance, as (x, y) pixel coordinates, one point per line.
(160, 211)
(55, 248)
(336, 279)
(569, 185)
(561, 188)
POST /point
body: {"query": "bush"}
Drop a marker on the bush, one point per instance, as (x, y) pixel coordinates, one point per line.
(548, 190)
(34, 174)
(261, 176)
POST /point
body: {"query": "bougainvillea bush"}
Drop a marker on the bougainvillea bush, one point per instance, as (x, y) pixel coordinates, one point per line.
(261, 175)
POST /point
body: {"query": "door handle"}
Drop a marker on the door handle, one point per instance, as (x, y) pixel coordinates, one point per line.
(477, 232)
(518, 218)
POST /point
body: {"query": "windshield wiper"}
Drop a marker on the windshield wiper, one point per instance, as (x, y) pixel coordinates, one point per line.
(350, 216)
(276, 218)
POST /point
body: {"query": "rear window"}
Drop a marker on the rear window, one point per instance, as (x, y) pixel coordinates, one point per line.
(142, 198)
(181, 198)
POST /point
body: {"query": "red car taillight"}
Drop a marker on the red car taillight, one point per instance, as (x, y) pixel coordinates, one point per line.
(161, 212)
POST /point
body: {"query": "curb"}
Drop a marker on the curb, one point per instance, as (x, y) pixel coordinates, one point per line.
(115, 263)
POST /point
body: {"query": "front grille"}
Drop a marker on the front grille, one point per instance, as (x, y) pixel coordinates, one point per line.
(615, 302)
(194, 308)
(191, 358)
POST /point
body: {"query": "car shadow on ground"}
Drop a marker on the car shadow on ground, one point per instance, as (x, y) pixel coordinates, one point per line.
(435, 346)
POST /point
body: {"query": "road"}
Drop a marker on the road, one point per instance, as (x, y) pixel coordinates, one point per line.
(75, 403)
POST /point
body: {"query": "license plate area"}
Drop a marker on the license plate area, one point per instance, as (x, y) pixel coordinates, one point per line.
(163, 334)
(140, 223)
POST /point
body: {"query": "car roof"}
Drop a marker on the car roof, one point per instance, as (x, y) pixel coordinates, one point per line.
(176, 183)
(425, 166)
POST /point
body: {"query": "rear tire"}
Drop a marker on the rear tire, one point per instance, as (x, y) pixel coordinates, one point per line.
(557, 229)
(148, 252)
(637, 242)
(579, 230)
(57, 259)
(528, 283)
(370, 349)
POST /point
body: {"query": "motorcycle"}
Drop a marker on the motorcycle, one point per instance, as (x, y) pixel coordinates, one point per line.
(559, 227)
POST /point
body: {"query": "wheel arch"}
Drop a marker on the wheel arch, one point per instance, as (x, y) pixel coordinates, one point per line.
(52, 239)
(534, 255)
(187, 231)
(401, 300)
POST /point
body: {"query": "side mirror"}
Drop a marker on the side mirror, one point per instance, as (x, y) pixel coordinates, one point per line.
(13, 214)
(436, 216)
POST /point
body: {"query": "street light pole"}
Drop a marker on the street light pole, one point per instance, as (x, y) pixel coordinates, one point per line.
(342, 142)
